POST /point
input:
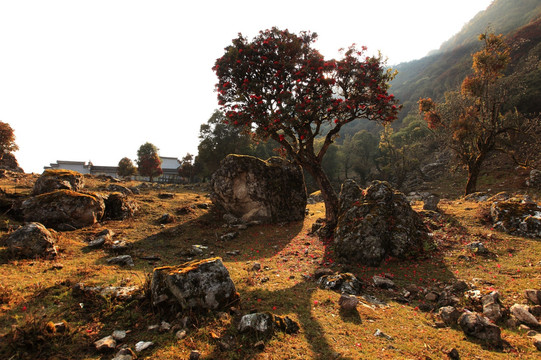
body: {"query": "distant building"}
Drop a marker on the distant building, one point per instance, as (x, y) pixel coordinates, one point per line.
(170, 167)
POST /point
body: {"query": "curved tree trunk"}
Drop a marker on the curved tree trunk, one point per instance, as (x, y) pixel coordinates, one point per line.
(473, 174)
(330, 197)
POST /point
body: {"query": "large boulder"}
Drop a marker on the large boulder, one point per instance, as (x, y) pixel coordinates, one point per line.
(118, 206)
(30, 241)
(376, 223)
(195, 285)
(64, 209)
(518, 216)
(252, 189)
(480, 327)
(52, 180)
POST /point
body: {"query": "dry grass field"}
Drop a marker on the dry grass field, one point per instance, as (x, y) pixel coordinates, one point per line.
(35, 292)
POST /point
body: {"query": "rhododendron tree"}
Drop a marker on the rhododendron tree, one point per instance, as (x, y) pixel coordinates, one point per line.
(472, 122)
(148, 161)
(278, 86)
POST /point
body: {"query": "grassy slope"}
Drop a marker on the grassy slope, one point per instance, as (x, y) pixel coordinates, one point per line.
(33, 292)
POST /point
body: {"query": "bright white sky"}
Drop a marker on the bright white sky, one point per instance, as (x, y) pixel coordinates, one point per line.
(94, 80)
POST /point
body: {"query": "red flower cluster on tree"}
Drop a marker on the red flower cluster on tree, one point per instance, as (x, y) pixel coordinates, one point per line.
(278, 86)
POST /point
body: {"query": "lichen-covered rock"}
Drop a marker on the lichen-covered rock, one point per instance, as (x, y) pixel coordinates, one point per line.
(480, 327)
(119, 188)
(376, 223)
(266, 323)
(492, 308)
(252, 189)
(518, 216)
(345, 283)
(64, 209)
(197, 285)
(60, 179)
(522, 313)
(449, 315)
(31, 240)
(533, 295)
(119, 206)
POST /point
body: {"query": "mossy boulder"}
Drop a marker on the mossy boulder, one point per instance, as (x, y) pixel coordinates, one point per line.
(197, 285)
(118, 206)
(30, 241)
(64, 209)
(58, 179)
(269, 191)
(518, 216)
(376, 223)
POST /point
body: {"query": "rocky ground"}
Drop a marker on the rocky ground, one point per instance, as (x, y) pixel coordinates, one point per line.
(473, 293)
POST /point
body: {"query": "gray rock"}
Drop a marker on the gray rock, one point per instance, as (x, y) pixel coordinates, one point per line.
(492, 308)
(431, 202)
(119, 334)
(261, 323)
(348, 302)
(449, 315)
(64, 209)
(534, 180)
(345, 283)
(59, 179)
(380, 333)
(478, 248)
(269, 191)
(97, 243)
(31, 240)
(118, 206)
(480, 327)
(229, 236)
(105, 344)
(522, 313)
(195, 355)
(181, 334)
(517, 216)
(143, 345)
(166, 219)
(203, 284)
(382, 282)
(376, 224)
(231, 219)
(122, 260)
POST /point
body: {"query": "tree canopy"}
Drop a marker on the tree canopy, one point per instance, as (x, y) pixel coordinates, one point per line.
(148, 161)
(126, 167)
(7, 139)
(278, 86)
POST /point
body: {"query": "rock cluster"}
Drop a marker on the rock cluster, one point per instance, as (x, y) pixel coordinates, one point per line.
(52, 180)
(517, 215)
(269, 191)
(376, 223)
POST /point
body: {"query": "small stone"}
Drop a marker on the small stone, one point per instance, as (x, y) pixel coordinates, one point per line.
(348, 302)
(431, 296)
(166, 219)
(143, 345)
(119, 334)
(97, 243)
(380, 333)
(153, 327)
(524, 328)
(522, 313)
(537, 341)
(256, 266)
(195, 355)
(125, 354)
(531, 333)
(164, 326)
(105, 344)
(453, 354)
(322, 271)
(477, 247)
(122, 260)
(382, 282)
(181, 334)
(260, 345)
(229, 236)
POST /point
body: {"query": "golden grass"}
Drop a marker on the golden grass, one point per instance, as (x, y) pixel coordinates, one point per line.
(34, 292)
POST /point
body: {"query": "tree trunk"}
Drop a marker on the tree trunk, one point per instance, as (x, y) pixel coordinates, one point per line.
(327, 191)
(473, 173)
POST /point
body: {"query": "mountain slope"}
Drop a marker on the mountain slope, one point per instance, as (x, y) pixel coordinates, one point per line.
(445, 69)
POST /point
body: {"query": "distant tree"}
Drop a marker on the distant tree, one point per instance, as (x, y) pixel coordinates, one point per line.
(360, 152)
(278, 86)
(148, 161)
(217, 140)
(126, 167)
(472, 121)
(7, 139)
(186, 168)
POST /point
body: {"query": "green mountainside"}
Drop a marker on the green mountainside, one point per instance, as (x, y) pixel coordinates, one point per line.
(444, 69)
